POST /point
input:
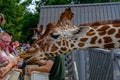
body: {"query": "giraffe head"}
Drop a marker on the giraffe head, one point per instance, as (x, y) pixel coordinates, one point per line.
(52, 34)
(53, 43)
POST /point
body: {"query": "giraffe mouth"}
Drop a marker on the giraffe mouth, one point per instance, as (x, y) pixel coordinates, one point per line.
(28, 53)
(24, 55)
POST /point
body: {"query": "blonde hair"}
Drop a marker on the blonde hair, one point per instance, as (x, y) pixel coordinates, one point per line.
(2, 19)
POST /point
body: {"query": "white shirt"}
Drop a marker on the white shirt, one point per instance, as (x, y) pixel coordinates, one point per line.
(4, 54)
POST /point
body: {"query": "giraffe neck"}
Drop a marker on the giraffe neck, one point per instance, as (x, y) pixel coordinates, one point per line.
(104, 36)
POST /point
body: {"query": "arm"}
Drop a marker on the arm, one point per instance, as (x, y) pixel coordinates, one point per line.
(41, 62)
(6, 69)
(44, 68)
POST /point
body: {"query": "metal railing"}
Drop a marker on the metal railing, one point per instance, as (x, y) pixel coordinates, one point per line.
(95, 64)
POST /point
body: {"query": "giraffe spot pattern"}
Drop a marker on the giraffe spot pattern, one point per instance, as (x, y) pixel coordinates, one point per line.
(118, 31)
(101, 33)
(117, 35)
(63, 49)
(116, 25)
(39, 43)
(103, 28)
(110, 45)
(93, 40)
(64, 42)
(81, 44)
(94, 27)
(111, 31)
(83, 39)
(46, 54)
(67, 43)
(75, 38)
(60, 52)
(119, 41)
(43, 49)
(47, 48)
(72, 45)
(90, 32)
(95, 24)
(51, 54)
(99, 41)
(59, 43)
(56, 53)
(107, 39)
(54, 48)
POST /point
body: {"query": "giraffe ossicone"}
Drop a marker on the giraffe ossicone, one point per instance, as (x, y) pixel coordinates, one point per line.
(62, 37)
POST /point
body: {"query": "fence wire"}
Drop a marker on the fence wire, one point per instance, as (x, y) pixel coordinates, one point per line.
(94, 64)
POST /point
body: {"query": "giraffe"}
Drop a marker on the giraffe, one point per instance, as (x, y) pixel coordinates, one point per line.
(37, 31)
(94, 35)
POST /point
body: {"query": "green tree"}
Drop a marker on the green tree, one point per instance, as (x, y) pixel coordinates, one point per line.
(14, 12)
(29, 22)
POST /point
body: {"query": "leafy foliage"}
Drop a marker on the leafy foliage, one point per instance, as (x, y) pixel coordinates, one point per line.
(15, 15)
(29, 22)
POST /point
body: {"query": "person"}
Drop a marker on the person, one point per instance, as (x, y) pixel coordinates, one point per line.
(55, 66)
(25, 46)
(2, 22)
(11, 50)
(7, 58)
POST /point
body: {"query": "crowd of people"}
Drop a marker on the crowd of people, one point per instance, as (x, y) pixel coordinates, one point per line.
(9, 58)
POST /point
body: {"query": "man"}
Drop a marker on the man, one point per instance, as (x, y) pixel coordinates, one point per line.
(55, 66)
(5, 40)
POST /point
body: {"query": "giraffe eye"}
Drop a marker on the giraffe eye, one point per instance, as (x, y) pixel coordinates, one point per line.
(77, 31)
(55, 36)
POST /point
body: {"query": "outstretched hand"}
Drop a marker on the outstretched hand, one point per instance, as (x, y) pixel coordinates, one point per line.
(3, 71)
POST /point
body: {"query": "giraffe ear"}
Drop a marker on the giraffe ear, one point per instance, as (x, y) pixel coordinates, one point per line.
(81, 31)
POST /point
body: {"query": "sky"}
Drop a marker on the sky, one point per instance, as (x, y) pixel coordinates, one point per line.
(31, 7)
